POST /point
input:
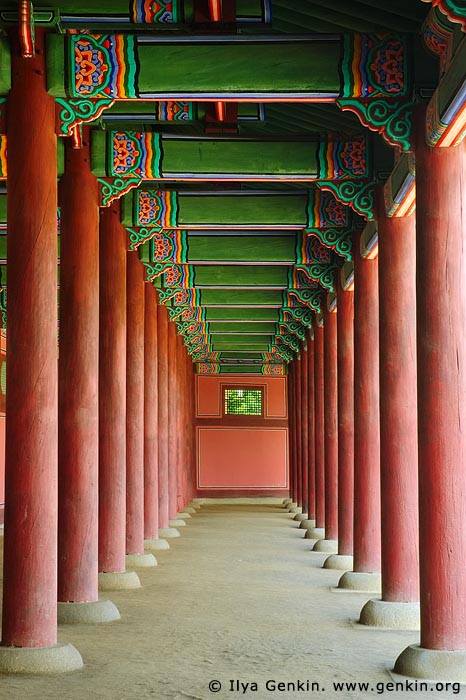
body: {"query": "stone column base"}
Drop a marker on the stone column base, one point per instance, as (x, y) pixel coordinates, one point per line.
(315, 533)
(87, 613)
(195, 505)
(340, 562)
(153, 545)
(190, 509)
(167, 532)
(118, 580)
(361, 581)
(59, 658)
(176, 522)
(329, 546)
(287, 502)
(295, 509)
(307, 524)
(140, 561)
(432, 664)
(391, 615)
(299, 517)
(183, 516)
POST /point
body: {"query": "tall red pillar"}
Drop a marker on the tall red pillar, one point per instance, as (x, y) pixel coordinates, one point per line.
(151, 479)
(318, 531)
(345, 360)
(399, 606)
(330, 543)
(298, 443)
(291, 435)
(441, 353)
(78, 398)
(367, 538)
(305, 430)
(112, 404)
(135, 371)
(310, 522)
(30, 592)
(173, 436)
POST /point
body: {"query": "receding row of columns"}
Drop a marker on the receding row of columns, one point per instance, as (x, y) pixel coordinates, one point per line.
(99, 451)
(388, 366)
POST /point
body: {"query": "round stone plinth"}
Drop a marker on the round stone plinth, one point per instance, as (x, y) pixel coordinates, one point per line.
(340, 562)
(167, 532)
(287, 502)
(391, 615)
(190, 510)
(361, 581)
(315, 533)
(299, 517)
(183, 516)
(153, 545)
(87, 613)
(307, 524)
(329, 546)
(176, 522)
(431, 664)
(141, 561)
(295, 509)
(61, 658)
(195, 505)
(118, 580)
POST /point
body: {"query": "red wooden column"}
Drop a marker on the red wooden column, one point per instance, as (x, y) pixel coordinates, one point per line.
(112, 404)
(318, 532)
(173, 436)
(182, 430)
(135, 305)
(441, 354)
(30, 592)
(367, 545)
(162, 428)
(330, 543)
(78, 398)
(298, 438)
(151, 478)
(345, 358)
(304, 432)
(399, 606)
(310, 522)
(291, 435)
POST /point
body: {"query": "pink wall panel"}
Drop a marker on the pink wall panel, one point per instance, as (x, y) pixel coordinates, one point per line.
(242, 458)
(238, 453)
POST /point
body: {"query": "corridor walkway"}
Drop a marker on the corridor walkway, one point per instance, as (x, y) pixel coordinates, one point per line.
(239, 596)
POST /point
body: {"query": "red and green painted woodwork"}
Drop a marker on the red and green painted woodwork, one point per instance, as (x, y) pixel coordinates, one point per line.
(3, 160)
(390, 118)
(400, 188)
(446, 113)
(160, 14)
(153, 156)
(455, 10)
(440, 36)
(144, 210)
(305, 68)
(277, 370)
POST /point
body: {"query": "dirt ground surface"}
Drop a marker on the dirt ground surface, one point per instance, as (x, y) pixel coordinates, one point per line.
(238, 598)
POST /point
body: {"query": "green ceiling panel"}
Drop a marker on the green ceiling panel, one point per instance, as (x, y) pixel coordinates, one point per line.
(242, 248)
(247, 210)
(241, 297)
(234, 314)
(241, 276)
(243, 327)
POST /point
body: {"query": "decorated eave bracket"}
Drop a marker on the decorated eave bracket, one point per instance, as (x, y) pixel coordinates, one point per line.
(357, 194)
(390, 118)
(455, 10)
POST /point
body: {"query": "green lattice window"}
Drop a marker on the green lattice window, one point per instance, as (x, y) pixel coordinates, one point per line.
(243, 402)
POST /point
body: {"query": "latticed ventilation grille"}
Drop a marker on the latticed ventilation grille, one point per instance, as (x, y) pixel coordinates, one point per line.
(243, 402)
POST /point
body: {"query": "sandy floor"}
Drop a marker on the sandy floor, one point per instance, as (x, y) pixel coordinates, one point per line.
(239, 597)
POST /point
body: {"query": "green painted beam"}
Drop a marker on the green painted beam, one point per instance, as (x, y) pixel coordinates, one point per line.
(242, 210)
(225, 276)
(234, 314)
(241, 297)
(243, 248)
(262, 347)
(244, 327)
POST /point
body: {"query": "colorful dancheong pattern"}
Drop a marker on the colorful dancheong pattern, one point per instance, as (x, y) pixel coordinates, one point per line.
(104, 66)
(324, 210)
(154, 208)
(135, 153)
(374, 65)
(155, 11)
